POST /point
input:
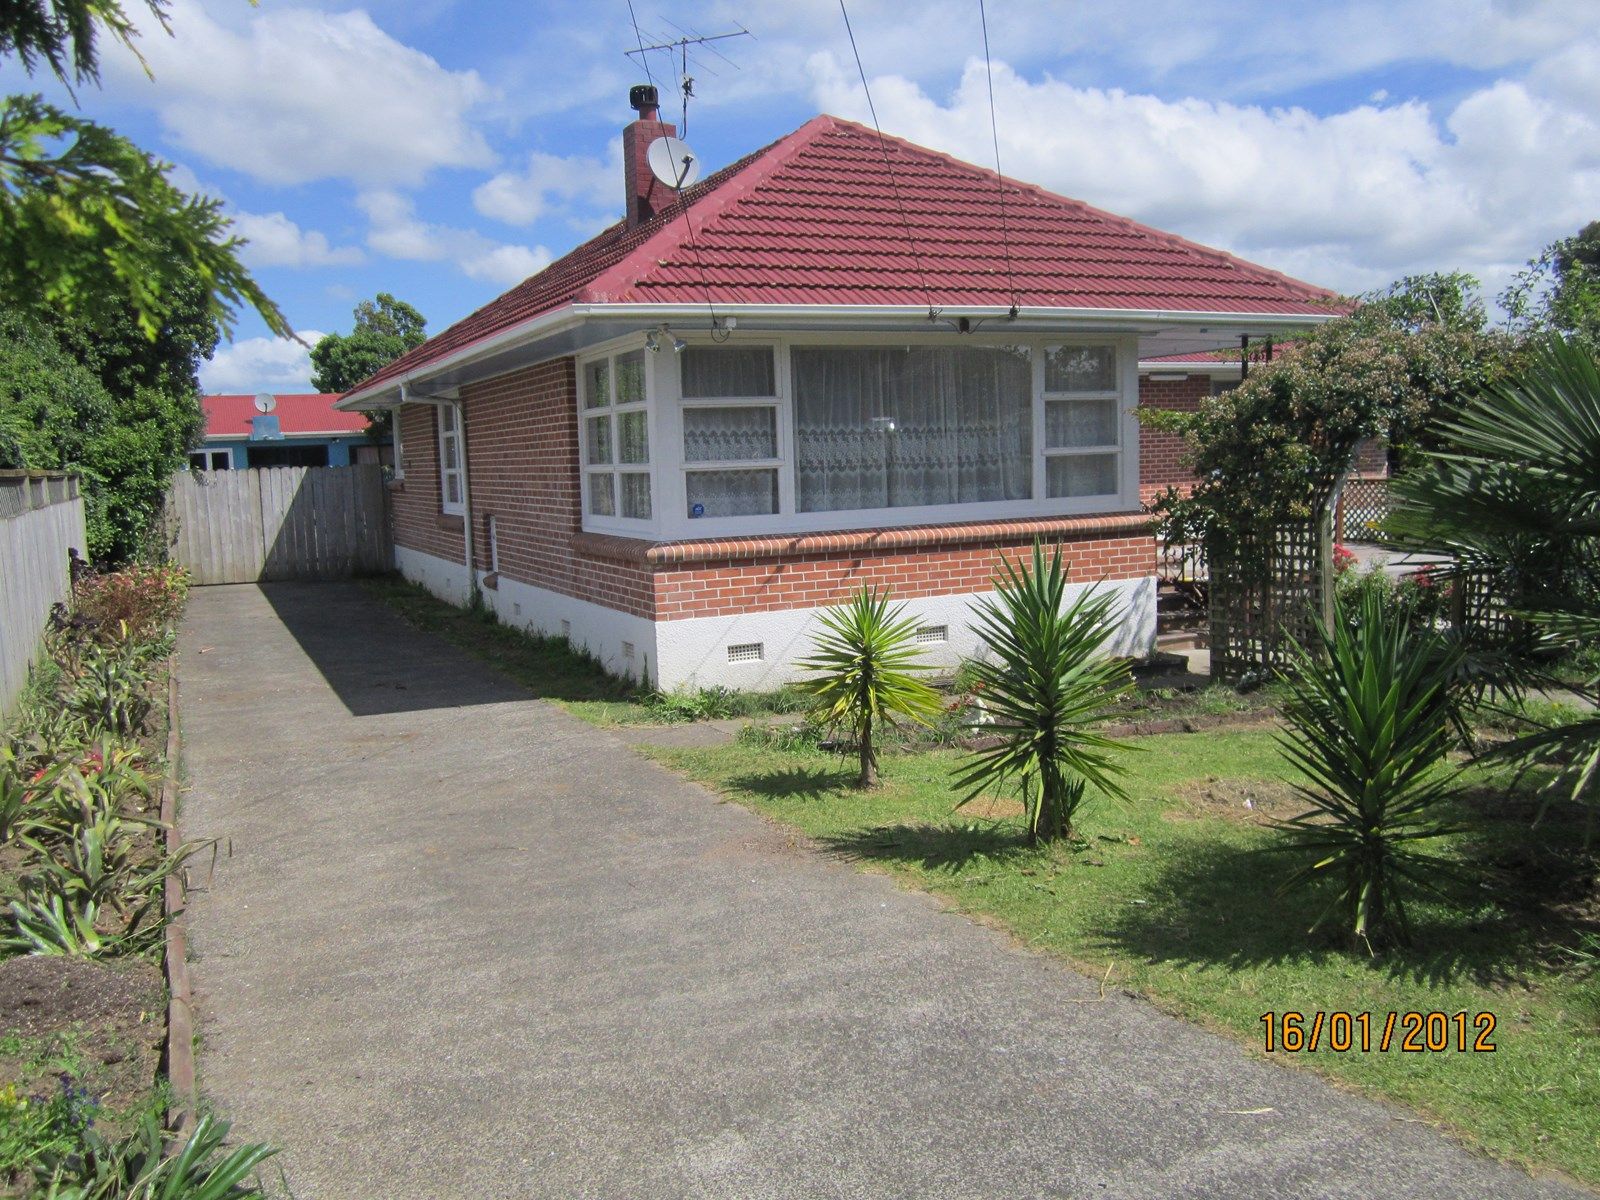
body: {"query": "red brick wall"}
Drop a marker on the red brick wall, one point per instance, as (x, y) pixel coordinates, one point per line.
(1371, 459)
(522, 460)
(726, 587)
(1159, 453)
(418, 522)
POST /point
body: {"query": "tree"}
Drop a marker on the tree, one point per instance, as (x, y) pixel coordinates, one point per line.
(1559, 291)
(1273, 449)
(122, 426)
(385, 329)
(63, 34)
(88, 219)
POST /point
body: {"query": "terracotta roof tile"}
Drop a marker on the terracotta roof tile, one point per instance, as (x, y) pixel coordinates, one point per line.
(814, 219)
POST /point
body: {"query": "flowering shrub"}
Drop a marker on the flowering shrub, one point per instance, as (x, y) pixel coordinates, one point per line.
(1343, 558)
(143, 601)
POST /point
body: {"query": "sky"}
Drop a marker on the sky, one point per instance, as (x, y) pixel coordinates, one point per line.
(444, 150)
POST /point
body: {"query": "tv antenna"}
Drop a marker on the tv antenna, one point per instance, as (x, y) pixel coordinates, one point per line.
(680, 47)
(265, 402)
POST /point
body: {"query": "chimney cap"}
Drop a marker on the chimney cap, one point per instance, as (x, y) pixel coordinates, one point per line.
(643, 97)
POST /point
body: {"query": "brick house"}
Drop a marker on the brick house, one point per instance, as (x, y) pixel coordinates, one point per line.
(842, 360)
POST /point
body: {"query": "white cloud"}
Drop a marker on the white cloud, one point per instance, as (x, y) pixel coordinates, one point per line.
(261, 364)
(506, 265)
(1348, 200)
(397, 232)
(551, 183)
(290, 95)
(276, 241)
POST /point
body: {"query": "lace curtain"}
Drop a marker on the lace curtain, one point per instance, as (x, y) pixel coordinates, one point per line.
(893, 427)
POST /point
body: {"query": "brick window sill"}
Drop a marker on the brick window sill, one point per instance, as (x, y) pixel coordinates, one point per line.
(914, 537)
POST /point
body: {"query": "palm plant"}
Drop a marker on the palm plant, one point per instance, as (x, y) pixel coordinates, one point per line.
(1514, 498)
(1369, 727)
(866, 674)
(1049, 680)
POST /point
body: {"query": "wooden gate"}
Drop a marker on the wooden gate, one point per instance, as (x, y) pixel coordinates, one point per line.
(279, 523)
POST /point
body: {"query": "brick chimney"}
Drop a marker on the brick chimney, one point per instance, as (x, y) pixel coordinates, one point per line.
(646, 196)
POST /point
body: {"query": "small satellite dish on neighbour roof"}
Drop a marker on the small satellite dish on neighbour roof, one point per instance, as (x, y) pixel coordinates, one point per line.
(266, 402)
(673, 163)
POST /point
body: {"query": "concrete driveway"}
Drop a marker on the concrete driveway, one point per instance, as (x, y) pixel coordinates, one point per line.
(459, 944)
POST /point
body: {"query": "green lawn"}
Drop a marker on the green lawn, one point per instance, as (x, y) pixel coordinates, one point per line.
(1176, 892)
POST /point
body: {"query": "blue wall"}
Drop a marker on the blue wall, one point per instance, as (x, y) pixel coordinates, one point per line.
(340, 453)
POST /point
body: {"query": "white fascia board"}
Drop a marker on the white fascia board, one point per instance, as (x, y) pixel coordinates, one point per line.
(801, 315)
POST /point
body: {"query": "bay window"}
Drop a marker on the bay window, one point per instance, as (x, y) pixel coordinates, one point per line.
(911, 426)
(616, 443)
(793, 434)
(730, 431)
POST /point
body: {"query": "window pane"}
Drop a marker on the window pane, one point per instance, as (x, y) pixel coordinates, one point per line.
(633, 438)
(597, 384)
(447, 418)
(600, 440)
(714, 371)
(636, 496)
(1081, 369)
(889, 427)
(450, 453)
(1069, 423)
(729, 434)
(630, 377)
(452, 488)
(732, 493)
(1081, 475)
(603, 495)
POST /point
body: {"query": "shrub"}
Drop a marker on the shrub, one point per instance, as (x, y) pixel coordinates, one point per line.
(150, 1163)
(867, 674)
(1048, 681)
(1369, 715)
(146, 600)
(111, 690)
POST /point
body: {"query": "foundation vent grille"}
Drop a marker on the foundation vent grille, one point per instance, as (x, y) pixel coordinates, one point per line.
(929, 634)
(747, 652)
(627, 649)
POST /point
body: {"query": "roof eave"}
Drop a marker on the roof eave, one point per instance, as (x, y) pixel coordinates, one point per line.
(1033, 318)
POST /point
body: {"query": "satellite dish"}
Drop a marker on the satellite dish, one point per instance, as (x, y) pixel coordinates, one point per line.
(266, 402)
(673, 163)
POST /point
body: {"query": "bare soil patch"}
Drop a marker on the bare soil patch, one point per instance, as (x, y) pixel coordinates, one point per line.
(102, 1025)
(1254, 801)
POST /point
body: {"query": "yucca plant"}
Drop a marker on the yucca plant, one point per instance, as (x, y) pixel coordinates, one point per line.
(1046, 681)
(866, 674)
(1368, 711)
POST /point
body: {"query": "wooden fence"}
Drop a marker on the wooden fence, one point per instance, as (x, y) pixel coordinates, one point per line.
(280, 523)
(41, 518)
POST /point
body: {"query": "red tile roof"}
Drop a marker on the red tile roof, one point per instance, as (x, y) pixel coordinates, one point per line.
(814, 219)
(299, 414)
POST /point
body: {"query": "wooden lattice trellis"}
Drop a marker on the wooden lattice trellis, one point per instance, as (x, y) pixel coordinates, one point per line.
(1363, 502)
(1266, 594)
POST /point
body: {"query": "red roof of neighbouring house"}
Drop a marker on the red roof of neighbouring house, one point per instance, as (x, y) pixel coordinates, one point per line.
(300, 414)
(814, 219)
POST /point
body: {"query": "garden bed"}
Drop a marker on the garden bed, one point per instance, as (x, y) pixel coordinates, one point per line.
(1175, 893)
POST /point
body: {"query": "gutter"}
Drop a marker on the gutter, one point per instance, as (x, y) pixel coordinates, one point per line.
(800, 314)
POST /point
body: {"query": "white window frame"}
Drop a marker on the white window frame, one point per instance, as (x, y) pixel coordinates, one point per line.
(448, 507)
(669, 473)
(615, 469)
(1042, 451)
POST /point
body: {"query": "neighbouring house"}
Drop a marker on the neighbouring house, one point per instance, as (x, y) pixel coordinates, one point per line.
(300, 430)
(842, 360)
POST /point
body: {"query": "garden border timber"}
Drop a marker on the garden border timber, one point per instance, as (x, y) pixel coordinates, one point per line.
(180, 1000)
